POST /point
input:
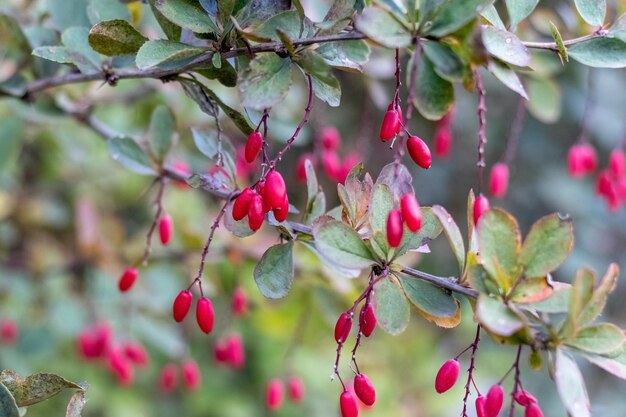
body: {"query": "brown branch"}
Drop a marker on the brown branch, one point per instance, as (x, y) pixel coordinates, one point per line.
(552, 46)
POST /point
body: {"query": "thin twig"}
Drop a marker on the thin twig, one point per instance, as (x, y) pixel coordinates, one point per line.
(470, 370)
(517, 382)
(412, 75)
(515, 132)
(157, 216)
(552, 46)
(482, 124)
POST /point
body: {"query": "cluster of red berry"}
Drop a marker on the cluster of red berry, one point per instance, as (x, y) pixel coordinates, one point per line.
(204, 310)
(269, 194)
(192, 378)
(275, 392)
(8, 331)
(409, 213)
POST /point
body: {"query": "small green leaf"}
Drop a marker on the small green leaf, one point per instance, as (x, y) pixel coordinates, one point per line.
(544, 101)
(59, 54)
(547, 245)
(8, 407)
(592, 11)
(615, 364)
(126, 151)
(618, 30)
(382, 28)
(346, 55)
(434, 96)
(580, 294)
(171, 30)
(571, 385)
(505, 46)
(497, 317)
(520, 10)
(491, 15)
(600, 52)
(325, 85)
(289, 22)
(558, 39)
(225, 74)
(447, 64)
(115, 37)
(86, 59)
(531, 290)
(338, 16)
(603, 338)
(429, 298)
(166, 54)
(274, 272)
(450, 16)
(453, 234)
(265, 82)
(391, 306)
(76, 404)
(312, 186)
(161, 132)
(558, 302)
(595, 305)
(340, 244)
(508, 77)
(187, 14)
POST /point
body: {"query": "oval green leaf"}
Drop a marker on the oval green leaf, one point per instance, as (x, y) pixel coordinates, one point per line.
(167, 55)
(600, 52)
(274, 272)
(603, 338)
(429, 298)
(505, 46)
(265, 82)
(496, 316)
(547, 245)
(571, 385)
(340, 244)
(126, 151)
(434, 96)
(391, 306)
(115, 37)
(381, 27)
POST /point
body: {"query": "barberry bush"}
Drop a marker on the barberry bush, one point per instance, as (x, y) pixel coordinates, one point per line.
(210, 207)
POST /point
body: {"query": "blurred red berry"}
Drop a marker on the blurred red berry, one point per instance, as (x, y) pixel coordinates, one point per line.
(167, 378)
(127, 280)
(443, 142)
(136, 353)
(166, 228)
(524, 398)
(331, 165)
(617, 163)
(121, 366)
(481, 206)
(499, 180)
(494, 401)
(274, 395)
(481, 410)
(239, 302)
(8, 331)
(300, 166)
(533, 410)
(295, 389)
(191, 375)
(330, 138)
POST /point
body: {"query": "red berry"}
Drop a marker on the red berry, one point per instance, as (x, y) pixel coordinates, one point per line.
(617, 163)
(281, 213)
(342, 327)
(364, 389)
(242, 204)
(447, 376)
(136, 353)
(261, 190)
(481, 206)
(166, 227)
(499, 180)
(127, 279)
(181, 168)
(330, 139)
(295, 389)
(191, 375)
(239, 302)
(182, 304)
(524, 398)
(348, 405)
(389, 127)
(256, 215)
(495, 398)
(400, 119)
(236, 352)
(411, 212)
(331, 165)
(419, 152)
(300, 167)
(443, 141)
(120, 366)
(274, 399)
(8, 331)
(533, 410)
(604, 186)
(253, 146)
(167, 378)
(394, 228)
(220, 352)
(368, 320)
(481, 410)
(589, 157)
(204, 314)
(275, 189)
(575, 162)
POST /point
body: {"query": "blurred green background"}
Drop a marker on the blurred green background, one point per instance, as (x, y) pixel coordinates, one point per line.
(71, 219)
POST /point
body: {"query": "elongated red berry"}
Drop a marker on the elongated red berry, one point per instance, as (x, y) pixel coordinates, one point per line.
(481, 206)
(261, 190)
(617, 163)
(389, 127)
(348, 405)
(166, 228)
(204, 314)
(236, 352)
(330, 139)
(368, 319)
(253, 146)
(255, 213)
(191, 375)
(239, 303)
(275, 189)
(127, 280)
(499, 180)
(331, 165)
(342, 327)
(182, 304)
(443, 141)
(394, 228)
(120, 366)
(364, 389)
(295, 389)
(274, 395)
(8, 331)
(242, 204)
(419, 152)
(400, 119)
(447, 376)
(533, 410)
(481, 410)
(575, 162)
(136, 353)
(524, 398)
(590, 158)
(167, 378)
(220, 352)
(495, 399)
(281, 213)
(411, 212)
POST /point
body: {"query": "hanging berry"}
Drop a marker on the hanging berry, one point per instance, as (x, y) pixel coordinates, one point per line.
(368, 319)
(411, 212)
(494, 401)
(295, 390)
(342, 327)
(499, 180)
(447, 376)
(242, 204)
(274, 395)
(394, 228)
(419, 152)
(481, 206)
(364, 389)
(205, 315)
(390, 125)
(253, 146)
(127, 280)
(191, 375)
(348, 405)
(182, 304)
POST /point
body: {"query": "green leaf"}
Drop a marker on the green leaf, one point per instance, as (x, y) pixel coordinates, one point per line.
(59, 54)
(557, 303)
(603, 338)
(431, 228)
(434, 96)
(547, 245)
(115, 37)
(497, 317)
(491, 15)
(126, 151)
(453, 234)
(380, 206)
(544, 101)
(76, 40)
(447, 64)
(76, 404)
(531, 290)
(595, 305)
(166, 55)
(8, 408)
(289, 22)
(382, 28)
(571, 385)
(15, 45)
(11, 131)
(312, 186)
(615, 364)
(207, 142)
(520, 10)
(338, 16)
(600, 52)
(340, 244)
(35, 388)
(265, 82)
(161, 132)
(558, 39)
(398, 178)
(429, 298)
(274, 272)
(392, 308)
(499, 246)
(505, 46)
(171, 30)
(187, 14)
(346, 55)
(508, 77)
(451, 16)
(592, 11)
(225, 74)
(238, 228)
(325, 85)
(618, 30)
(580, 294)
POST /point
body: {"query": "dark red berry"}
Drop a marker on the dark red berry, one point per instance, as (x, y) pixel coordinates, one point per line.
(368, 320)
(295, 389)
(524, 398)
(256, 215)
(182, 304)
(533, 410)
(274, 399)
(590, 158)
(127, 280)
(481, 410)
(220, 352)
(166, 227)
(168, 376)
(239, 303)
(281, 213)
(499, 180)
(348, 405)
(400, 119)
(204, 315)
(275, 189)
(389, 127)
(447, 376)
(120, 366)
(495, 399)
(364, 389)
(481, 206)
(394, 228)
(261, 190)
(191, 375)
(419, 152)
(242, 204)
(330, 139)
(411, 212)
(8, 331)
(342, 327)
(253, 146)
(617, 163)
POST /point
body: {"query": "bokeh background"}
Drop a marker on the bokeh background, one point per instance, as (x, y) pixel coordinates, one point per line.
(71, 219)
